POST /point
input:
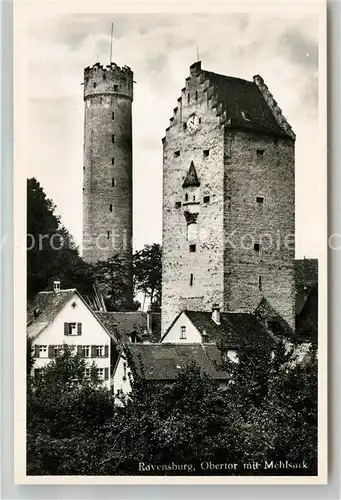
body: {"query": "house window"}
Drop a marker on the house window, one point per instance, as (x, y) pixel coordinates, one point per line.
(191, 279)
(57, 350)
(100, 373)
(42, 351)
(183, 332)
(113, 138)
(99, 351)
(260, 152)
(246, 116)
(113, 161)
(206, 199)
(86, 351)
(87, 372)
(115, 88)
(256, 247)
(37, 372)
(186, 196)
(108, 235)
(176, 154)
(206, 153)
(113, 115)
(260, 200)
(113, 182)
(72, 328)
(260, 284)
(178, 204)
(110, 207)
(192, 248)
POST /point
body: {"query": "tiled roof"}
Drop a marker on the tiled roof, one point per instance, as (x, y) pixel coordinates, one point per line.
(165, 361)
(191, 177)
(270, 319)
(121, 324)
(234, 331)
(46, 307)
(242, 96)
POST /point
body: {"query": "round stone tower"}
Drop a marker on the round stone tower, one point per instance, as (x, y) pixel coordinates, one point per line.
(107, 167)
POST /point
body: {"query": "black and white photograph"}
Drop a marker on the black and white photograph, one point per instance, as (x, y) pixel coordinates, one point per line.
(172, 289)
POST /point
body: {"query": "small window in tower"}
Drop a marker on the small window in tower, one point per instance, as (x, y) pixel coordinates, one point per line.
(113, 138)
(206, 199)
(246, 116)
(176, 154)
(188, 97)
(199, 121)
(113, 182)
(260, 200)
(260, 283)
(115, 88)
(178, 204)
(256, 247)
(113, 115)
(83, 169)
(206, 153)
(184, 126)
(183, 332)
(192, 248)
(196, 95)
(94, 85)
(194, 197)
(112, 161)
(108, 235)
(186, 196)
(260, 152)
(110, 207)
(191, 279)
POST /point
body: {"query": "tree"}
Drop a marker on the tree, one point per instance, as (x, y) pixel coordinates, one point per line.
(147, 267)
(51, 252)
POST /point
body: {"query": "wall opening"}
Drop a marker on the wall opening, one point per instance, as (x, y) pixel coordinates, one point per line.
(256, 247)
(206, 199)
(260, 200)
(113, 115)
(260, 152)
(110, 207)
(260, 284)
(178, 204)
(112, 161)
(206, 153)
(196, 95)
(183, 332)
(193, 248)
(113, 182)
(115, 88)
(176, 154)
(113, 138)
(191, 279)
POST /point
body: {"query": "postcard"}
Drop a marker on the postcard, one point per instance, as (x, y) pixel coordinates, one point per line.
(170, 214)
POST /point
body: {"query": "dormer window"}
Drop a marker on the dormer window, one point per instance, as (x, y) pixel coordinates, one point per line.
(245, 116)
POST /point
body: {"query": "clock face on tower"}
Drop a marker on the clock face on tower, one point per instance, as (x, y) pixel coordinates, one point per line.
(192, 123)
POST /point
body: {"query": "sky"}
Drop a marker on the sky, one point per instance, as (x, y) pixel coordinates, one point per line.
(159, 49)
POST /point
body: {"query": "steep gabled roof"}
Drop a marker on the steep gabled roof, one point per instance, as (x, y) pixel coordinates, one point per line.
(267, 315)
(48, 305)
(122, 324)
(162, 362)
(191, 177)
(242, 97)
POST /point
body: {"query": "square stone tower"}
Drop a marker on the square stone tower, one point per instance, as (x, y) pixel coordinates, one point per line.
(228, 199)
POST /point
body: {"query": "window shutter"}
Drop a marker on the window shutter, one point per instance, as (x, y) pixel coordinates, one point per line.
(66, 329)
(51, 351)
(36, 351)
(106, 373)
(79, 350)
(79, 328)
(93, 351)
(106, 351)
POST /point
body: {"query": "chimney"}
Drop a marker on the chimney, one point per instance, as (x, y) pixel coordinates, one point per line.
(56, 286)
(216, 313)
(149, 320)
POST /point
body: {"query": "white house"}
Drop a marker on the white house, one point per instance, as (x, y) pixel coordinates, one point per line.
(63, 317)
(161, 363)
(232, 331)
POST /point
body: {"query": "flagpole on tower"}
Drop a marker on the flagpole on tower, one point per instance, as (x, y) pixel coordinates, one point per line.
(111, 39)
(198, 58)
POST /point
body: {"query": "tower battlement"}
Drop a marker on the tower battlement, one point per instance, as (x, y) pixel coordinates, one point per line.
(110, 79)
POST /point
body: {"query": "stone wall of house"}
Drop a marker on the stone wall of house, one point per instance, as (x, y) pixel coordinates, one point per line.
(260, 209)
(107, 167)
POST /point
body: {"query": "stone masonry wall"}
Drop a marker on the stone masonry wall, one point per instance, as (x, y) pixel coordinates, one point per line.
(180, 147)
(263, 167)
(107, 167)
